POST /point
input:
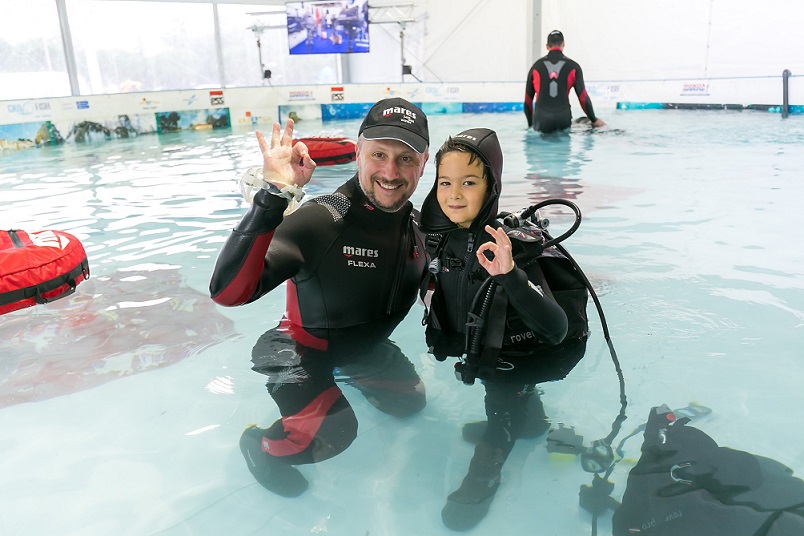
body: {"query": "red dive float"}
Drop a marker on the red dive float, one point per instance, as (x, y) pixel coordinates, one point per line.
(39, 267)
(330, 151)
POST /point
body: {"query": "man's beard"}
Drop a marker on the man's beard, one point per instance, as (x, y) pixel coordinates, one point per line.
(374, 201)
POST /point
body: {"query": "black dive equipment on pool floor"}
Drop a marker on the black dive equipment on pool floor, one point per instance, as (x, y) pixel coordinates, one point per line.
(684, 484)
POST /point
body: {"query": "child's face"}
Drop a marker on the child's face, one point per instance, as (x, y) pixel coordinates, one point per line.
(461, 188)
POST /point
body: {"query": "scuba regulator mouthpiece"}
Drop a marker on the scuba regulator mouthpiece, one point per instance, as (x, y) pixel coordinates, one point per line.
(464, 374)
(514, 220)
(517, 220)
(598, 458)
(531, 214)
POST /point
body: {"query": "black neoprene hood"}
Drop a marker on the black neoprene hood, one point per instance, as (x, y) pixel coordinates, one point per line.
(484, 143)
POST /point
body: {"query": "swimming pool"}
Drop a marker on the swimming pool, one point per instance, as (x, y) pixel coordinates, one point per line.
(121, 406)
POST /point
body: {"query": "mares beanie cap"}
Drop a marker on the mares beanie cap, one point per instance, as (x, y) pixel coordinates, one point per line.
(555, 37)
(397, 119)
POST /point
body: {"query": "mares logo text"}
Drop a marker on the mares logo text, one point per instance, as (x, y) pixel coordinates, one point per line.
(407, 116)
(351, 251)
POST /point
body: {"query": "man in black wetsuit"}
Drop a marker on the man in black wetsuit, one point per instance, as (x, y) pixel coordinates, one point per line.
(353, 261)
(547, 89)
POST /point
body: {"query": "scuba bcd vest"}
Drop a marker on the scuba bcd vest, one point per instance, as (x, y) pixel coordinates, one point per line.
(486, 317)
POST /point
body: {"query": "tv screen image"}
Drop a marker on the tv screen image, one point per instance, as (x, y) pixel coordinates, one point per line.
(328, 27)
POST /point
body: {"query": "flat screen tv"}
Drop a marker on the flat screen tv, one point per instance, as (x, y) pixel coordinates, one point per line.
(328, 27)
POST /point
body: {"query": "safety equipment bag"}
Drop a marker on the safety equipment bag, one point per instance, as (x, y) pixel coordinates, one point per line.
(39, 267)
(685, 484)
(330, 151)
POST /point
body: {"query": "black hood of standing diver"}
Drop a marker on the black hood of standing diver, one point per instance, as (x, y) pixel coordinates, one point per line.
(484, 142)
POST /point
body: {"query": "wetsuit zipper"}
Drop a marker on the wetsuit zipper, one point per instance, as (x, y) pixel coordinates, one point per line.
(461, 311)
(401, 263)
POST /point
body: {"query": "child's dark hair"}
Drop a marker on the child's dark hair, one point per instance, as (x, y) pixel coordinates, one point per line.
(452, 145)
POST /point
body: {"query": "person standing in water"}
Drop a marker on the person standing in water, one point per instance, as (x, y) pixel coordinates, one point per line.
(526, 336)
(353, 262)
(547, 88)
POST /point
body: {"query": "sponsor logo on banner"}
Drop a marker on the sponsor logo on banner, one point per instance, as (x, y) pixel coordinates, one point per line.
(449, 93)
(216, 98)
(337, 94)
(148, 104)
(407, 93)
(603, 90)
(697, 89)
(29, 108)
(254, 120)
(82, 105)
(301, 95)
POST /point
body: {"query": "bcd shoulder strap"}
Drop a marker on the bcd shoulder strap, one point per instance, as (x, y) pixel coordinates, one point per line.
(484, 364)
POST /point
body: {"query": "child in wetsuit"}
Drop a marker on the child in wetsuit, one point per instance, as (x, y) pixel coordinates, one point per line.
(469, 250)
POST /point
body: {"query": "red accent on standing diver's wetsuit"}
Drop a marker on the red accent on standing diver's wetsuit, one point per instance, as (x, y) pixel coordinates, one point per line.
(529, 98)
(571, 76)
(583, 97)
(302, 427)
(571, 81)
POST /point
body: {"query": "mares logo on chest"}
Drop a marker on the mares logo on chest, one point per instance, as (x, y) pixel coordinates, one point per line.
(360, 264)
(350, 252)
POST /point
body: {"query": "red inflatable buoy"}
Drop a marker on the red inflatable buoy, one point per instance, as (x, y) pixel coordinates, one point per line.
(330, 151)
(39, 267)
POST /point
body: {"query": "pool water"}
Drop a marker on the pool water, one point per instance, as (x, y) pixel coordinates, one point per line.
(121, 406)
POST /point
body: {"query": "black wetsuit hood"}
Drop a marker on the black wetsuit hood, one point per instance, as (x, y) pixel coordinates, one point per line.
(484, 142)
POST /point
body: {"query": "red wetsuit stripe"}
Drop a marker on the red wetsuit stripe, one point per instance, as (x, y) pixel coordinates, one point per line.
(243, 285)
(570, 80)
(302, 427)
(583, 97)
(292, 323)
(536, 81)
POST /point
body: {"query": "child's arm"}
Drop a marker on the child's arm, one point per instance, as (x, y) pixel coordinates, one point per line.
(532, 299)
(527, 293)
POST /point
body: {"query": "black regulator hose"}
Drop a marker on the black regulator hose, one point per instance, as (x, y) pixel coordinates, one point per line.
(516, 220)
(477, 330)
